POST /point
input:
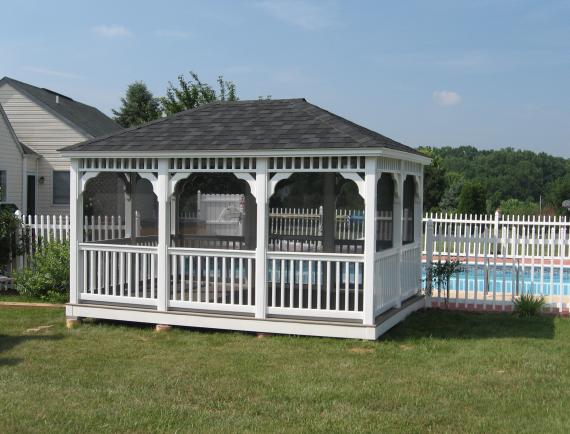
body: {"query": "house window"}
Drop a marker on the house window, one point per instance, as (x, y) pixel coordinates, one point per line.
(3, 186)
(60, 187)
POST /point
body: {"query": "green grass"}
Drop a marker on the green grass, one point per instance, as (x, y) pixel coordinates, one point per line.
(437, 372)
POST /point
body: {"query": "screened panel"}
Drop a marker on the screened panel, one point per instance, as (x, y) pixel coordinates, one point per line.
(215, 211)
(120, 209)
(316, 212)
(385, 212)
(408, 214)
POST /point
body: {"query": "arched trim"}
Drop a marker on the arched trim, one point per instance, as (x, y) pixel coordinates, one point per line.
(357, 179)
(276, 179)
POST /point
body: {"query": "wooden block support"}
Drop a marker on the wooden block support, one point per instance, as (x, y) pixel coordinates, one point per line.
(72, 323)
(161, 328)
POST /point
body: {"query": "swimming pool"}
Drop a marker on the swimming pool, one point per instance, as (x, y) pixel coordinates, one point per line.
(545, 281)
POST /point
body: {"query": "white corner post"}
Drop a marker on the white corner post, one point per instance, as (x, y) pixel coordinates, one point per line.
(398, 232)
(370, 182)
(163, 198)
(261, 178)
(75, 231)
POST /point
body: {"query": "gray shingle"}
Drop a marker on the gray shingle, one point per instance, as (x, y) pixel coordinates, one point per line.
(244, 125)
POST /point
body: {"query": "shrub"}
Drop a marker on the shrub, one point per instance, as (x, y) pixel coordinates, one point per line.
(439, 275)
(10, 244)
(528, 305)
(47, 276)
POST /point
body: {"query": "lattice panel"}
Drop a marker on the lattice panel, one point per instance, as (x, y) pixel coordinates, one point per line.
(316, 164)
(221, 164)
(118, 164)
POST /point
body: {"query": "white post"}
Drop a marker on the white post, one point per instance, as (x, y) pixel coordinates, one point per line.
(429, 259)
(75, 231)
(163, 235)
(398, 233)
(261, 178)
(370, 181)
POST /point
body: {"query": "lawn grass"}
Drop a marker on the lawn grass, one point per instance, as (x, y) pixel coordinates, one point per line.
(437, 372)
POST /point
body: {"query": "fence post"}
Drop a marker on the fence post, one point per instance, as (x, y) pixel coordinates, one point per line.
(19, 257)
(429, 260)
(496, 225)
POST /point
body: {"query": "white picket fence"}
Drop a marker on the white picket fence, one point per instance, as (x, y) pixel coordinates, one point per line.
(309, 221)
(501, 257)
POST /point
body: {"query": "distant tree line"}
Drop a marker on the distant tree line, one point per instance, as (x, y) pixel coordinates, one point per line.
(140, 106)
(472, 181)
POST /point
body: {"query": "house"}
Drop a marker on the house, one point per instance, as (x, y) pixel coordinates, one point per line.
(286, 271)
(34, 123)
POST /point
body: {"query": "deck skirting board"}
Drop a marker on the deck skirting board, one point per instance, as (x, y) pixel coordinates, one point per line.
(302, 327)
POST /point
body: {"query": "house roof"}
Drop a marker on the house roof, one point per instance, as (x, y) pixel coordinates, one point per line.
(284, 124)
(87, 119)
(22, 148)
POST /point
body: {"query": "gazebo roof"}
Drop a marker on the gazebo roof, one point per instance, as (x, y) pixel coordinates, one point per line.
(285, 124)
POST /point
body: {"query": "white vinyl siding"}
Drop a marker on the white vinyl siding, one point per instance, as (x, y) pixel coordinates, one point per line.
(45, 133)
(11, 166)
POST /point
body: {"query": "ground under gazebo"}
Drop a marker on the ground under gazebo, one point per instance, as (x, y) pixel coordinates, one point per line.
(268, 216)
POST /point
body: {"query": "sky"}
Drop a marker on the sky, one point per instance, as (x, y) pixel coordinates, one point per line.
(486, 73)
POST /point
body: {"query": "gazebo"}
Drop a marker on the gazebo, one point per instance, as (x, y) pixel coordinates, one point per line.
(269, 216)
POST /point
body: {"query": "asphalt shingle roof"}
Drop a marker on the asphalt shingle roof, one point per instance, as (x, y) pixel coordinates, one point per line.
(88, 119)
(244, 125)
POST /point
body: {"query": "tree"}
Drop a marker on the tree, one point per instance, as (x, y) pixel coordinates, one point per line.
(472, 199)
(450, 197)
(558, 192)
(434, 180)
(518, 207)
(137, 107)
(193, 93)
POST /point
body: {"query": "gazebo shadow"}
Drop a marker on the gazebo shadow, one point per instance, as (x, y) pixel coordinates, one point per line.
(7, 342)
(441, 324)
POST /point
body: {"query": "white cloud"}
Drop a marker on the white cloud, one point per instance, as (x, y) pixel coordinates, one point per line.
(173, 34)
(112, 31)
(300, 13)
(51, 72)
(446, 97)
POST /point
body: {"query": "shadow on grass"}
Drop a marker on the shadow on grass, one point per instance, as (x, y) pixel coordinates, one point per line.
(444, 324)
(8, 342)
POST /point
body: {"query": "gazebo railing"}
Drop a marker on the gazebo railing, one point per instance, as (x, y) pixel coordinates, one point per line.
(212, 279)
(118, 274)
(315, 285)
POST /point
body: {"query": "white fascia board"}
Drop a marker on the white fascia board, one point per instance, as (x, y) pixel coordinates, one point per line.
(362, 152)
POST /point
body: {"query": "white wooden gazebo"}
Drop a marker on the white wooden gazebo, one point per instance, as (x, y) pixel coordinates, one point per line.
(271, 216)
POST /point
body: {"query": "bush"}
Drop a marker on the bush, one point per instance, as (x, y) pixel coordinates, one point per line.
(47, 276)
(10, 244)
(528, 305)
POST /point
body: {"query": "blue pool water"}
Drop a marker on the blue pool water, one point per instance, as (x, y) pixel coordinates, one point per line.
(506, 278)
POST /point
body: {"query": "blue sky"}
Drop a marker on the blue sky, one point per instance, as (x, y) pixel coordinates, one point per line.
(488, 73)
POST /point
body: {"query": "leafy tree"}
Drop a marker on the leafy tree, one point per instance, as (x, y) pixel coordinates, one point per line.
(434, 180)
(137, 107)
(193, 93)
(472, 199)
(450, 197)
(504, 174)
(558, 192)
(518, 207)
